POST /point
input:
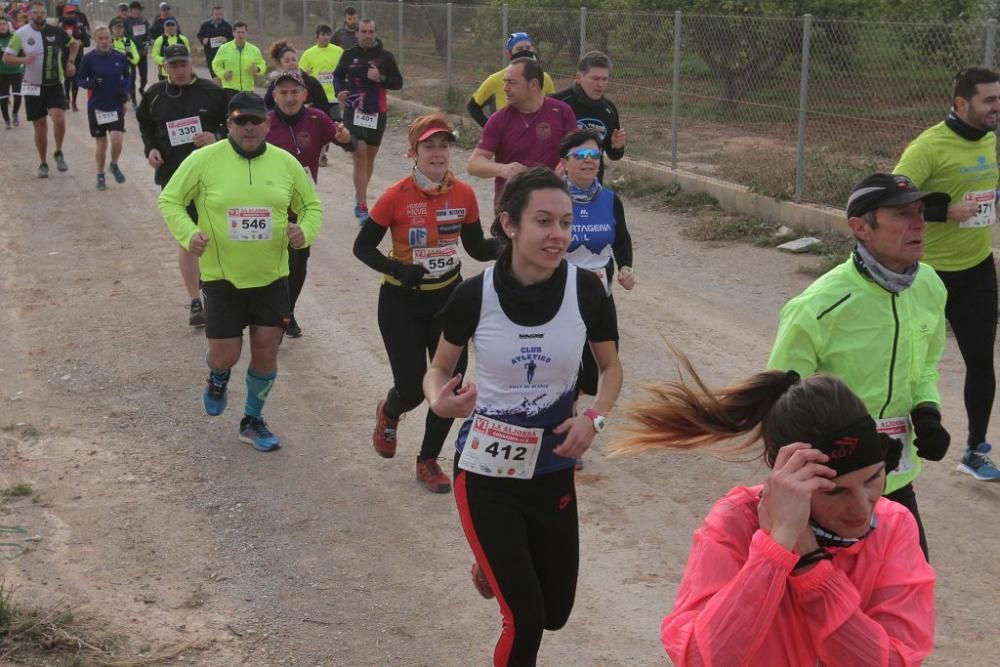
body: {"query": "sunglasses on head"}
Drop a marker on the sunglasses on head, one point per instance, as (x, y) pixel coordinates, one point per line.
(243, 120)
(584, 153)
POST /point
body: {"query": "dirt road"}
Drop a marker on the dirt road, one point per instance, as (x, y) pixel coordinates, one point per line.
(157, 523)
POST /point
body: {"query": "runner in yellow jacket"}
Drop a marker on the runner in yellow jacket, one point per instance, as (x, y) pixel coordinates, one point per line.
(877, 323)
(243, 189)
(238, 62)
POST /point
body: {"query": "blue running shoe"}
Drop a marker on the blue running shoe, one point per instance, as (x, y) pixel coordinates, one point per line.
(360, 212)
(214, 398)
(116, 172)
(977, 463)
(254, 431)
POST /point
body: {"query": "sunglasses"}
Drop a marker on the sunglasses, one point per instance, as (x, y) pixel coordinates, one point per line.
(243, 120)
(584, 153)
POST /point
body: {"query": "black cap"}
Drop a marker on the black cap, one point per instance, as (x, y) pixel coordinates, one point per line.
(176, 52)
(170, 21)
(880, 190)
(247, 104)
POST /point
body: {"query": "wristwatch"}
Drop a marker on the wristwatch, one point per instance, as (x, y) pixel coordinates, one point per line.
(598, 421)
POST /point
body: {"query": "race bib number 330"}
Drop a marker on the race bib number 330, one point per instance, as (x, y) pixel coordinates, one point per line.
(183, 130)
(498, 449)
(251, 224)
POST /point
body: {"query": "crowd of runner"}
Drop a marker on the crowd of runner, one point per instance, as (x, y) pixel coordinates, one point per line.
(826, 562)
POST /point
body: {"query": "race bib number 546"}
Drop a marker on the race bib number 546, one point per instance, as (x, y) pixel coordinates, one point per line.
(251, 224)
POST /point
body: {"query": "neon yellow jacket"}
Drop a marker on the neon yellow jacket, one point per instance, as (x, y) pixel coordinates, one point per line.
(218, 179)
(161, 43)
(244, 64)
(885, 346)
(126, 46)
(320, 63)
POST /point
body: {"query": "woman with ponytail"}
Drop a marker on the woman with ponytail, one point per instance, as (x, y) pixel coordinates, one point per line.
(812, 567)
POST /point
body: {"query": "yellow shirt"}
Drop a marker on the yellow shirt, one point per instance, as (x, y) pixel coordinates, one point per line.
(492, 88)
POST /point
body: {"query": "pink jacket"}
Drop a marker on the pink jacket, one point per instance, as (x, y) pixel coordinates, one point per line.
(740, 604)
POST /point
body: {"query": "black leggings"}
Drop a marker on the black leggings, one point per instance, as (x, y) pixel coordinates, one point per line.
(907, 497)
(525, 537)
(589, 373)
(410, 331)
(971, 310)
(10, 86)
(297, 262)
(70, 86)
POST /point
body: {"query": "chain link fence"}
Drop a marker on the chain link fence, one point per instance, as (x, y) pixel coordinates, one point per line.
(794, 108)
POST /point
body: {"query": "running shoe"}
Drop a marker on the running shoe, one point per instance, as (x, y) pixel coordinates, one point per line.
(60, 161)
(17, 121)
(481, 583)
(292, 329)
(197, 317)
(429, 473)
(135, 107)
(976, 462)
(6, 125)
(43, 170)
(117, 173)
(384, 437)
(360, 212)
(214, 398)
(254, 431)
(102, 184)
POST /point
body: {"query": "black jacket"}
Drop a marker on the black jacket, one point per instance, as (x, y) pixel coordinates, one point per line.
(156, 29)
(352, 75)
(209, 30)
(602, 115)
(163, 102)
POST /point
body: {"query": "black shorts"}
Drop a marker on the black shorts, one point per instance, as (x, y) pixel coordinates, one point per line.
(10, 84)
(229, 309)
(97, 131)
(51, 97)
(365, 134)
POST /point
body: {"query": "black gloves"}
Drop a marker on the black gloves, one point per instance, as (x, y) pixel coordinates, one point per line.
(409, 275)
(929, 437)
(98, 81)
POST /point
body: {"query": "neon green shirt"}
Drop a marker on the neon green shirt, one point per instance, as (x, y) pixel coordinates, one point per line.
(126, 46)
(238, 198)
(940, 160)
(244, 64)
(885, 347)
(161, 43)
(320, 63)
(492, 87)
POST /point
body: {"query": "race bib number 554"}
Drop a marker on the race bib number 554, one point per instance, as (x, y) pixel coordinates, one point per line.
(251, 224)
(497, 449)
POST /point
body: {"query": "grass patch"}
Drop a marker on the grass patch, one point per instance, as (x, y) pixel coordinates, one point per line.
(659, 194)
(17, 490)
(467, 136)
(726, 227)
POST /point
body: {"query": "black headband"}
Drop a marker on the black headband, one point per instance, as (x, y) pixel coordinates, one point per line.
(859, 445)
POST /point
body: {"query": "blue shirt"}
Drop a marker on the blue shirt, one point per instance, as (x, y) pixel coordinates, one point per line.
(106, 75)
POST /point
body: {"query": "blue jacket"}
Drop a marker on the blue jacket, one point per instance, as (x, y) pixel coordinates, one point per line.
(106, 76)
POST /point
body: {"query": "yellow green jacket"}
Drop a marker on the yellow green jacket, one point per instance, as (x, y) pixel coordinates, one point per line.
(244, 64)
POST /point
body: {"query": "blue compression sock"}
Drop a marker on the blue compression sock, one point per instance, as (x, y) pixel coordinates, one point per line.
(258, 387)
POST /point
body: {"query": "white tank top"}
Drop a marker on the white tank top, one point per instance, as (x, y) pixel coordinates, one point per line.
(526, 376)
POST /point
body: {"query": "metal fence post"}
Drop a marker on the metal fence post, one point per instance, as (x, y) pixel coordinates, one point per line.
(281, 17)
(260, 15)
(676, 92)
(583, 31)
(503, 33)
(305, 17)
(333, 21)
(991, 43)
(449, 45)
(399, 22)
(800, 149)
(364, 10)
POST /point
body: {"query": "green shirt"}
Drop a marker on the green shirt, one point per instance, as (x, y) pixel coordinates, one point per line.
(885, 347)
(126, 46)
(244, 64)
(233, 197)
(320, 63)
(939, 160)
(8, 69)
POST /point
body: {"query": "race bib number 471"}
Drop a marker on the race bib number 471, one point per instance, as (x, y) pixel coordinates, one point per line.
(986, 211)
(497, 449)
(251, 224)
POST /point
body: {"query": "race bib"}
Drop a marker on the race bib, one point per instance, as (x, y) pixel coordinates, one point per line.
(251, 224)
(182, 131)
(986, 211)
(496, 449)
(437, 261)
(138, 30)
(326, 78)
(216, 42)
(899, 429)
(30, 89)
(368, 120)
(105, 117)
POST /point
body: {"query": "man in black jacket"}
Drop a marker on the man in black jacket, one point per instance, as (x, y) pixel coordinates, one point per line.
(364, 74)
(213, 33)
(592, 108)
(138, 29)
(177, 116)
(157, 28)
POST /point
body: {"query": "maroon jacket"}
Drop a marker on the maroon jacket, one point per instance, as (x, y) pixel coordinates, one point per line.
(305, 136)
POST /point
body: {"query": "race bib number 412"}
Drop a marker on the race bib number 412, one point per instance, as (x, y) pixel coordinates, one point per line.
(497, 449)
(251, 224)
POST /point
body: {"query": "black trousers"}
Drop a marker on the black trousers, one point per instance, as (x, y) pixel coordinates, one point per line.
(907, 497)
(298, 260)
(971, 310)
(410, 331)
(525, 536)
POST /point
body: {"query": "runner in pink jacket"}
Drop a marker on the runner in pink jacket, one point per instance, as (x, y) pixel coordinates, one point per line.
(813, 567)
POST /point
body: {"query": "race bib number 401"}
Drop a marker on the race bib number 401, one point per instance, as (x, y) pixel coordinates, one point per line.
(437, 261)
(251, 224)
(986, 211)
(366, 120)
(183, 130)
(496, 449)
